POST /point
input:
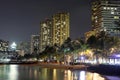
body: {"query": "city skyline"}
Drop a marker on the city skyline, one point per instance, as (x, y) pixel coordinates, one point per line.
(55, 31)
(21, 19)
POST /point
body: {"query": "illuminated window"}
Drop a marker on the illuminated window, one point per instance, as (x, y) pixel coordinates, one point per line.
(108, 8)
(104, 8)
(112, 12)
(64, 23)
(48, 30)
(44, 25)
(116, 17)
(96, 21)
(112, 8)
(96, 17)
(115, 8)
(105, 30)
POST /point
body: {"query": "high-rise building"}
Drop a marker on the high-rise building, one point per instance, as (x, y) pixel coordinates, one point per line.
(54, 31)
(46, 32)
(35, 43)
(60, 28)
(4, 46)
(105, 15)
(24, 47)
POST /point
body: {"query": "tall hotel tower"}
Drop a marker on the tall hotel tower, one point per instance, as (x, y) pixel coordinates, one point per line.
(54, 31)
(60, 28)
(35, 40)
(105, 15)
(46, 32)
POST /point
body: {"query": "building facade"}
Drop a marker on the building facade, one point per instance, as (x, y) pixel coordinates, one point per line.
(4, 46)
(24, 47)
(46, 32)
(54, 31)
(106, 15)
(35, 43)
(60, 28)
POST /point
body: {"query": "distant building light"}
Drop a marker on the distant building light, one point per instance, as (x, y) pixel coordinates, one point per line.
(115, 8)
(116, 17)
(64, 22)
(96, 17)
(112, 12)
(108, 8)
(14, 45)
(44, 25)
(96, 21)
(111, 8)
(105, 8)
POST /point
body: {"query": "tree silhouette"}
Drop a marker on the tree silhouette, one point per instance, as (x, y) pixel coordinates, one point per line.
(92, 41)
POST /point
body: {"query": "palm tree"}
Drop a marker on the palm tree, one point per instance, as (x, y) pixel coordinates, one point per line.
(84, 47)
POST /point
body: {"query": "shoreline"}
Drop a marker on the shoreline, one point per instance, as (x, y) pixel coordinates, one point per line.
(48, 65)
(62, 66)
(102, 69)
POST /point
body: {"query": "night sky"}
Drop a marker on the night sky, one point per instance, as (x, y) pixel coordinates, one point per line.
(19, 19)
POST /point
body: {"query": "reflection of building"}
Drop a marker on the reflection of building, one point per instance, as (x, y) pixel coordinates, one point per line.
(3, 46)
(35, 40)
(105, 14)
(54, 31)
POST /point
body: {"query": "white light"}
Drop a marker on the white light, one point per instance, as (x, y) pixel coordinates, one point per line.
(64, 23)
(108, 8)
(13, 72)
(116, 17)
(112, 12)
(13, 46)
(115, 8)
(96, 17)
(104, 8)
(82, 75)
(44, 25)
(96, 21)
(111, 8)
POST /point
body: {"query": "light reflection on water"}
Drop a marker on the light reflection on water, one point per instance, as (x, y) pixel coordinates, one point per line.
(13, 73)
(28, 72)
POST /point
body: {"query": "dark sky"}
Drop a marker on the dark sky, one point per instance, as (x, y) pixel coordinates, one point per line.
(19, 19)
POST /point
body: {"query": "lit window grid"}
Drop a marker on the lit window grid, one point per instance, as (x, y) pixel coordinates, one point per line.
(106, 16)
